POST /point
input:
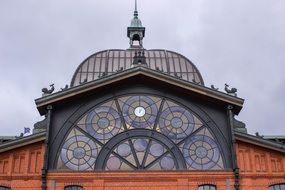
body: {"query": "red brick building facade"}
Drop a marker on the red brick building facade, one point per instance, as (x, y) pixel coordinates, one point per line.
(140, 119)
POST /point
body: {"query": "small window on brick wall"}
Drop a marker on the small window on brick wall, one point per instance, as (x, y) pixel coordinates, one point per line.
(277, 187)
(73, 187)
(207, 187)
(4, 188)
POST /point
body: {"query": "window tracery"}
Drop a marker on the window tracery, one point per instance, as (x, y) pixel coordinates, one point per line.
(140, 132)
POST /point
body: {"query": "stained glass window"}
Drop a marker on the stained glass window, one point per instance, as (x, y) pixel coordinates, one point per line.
(140, 132)
(277, 187)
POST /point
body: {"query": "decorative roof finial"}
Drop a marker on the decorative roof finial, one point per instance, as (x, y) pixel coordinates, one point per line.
(136, 31)
(136, 13)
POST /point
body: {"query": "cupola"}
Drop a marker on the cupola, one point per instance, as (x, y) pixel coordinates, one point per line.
(136, 31)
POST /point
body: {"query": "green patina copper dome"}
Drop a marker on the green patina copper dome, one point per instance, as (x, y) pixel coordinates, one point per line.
(136, 22)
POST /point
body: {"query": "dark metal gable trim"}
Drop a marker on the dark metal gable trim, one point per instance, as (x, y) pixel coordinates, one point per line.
(22, 142)
(199, 89)
(260, 142)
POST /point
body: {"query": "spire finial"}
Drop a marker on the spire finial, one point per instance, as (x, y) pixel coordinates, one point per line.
(136, 9)
(136, 31)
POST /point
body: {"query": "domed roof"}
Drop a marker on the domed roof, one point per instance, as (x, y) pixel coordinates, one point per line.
(136, 23)
(108, 62)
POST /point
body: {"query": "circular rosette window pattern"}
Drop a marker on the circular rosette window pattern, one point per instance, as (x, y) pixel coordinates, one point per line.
(140, 132)
(201, 153)
(103, 123)
(79, 153)
(139, 111)
(176, 122)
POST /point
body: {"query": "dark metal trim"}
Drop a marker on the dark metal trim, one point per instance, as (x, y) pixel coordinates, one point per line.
(233, 147)
(22, 142)
(46, 155)
(258, 141)
(133, 72)
(134, 133)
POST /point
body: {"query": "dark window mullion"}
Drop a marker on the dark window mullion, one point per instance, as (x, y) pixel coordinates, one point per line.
(121, 114)
(124, 160)
(125, 127)
(158, 114)
(157, 159)
(191, 135)
(90, 136)
(146, 154)
(154, 128)
(134, 153)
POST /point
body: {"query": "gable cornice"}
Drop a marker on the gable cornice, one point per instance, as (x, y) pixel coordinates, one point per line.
(133, 72)
(259, 141)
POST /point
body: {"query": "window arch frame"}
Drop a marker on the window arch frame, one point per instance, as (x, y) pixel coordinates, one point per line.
(193, 108)
(207, 187)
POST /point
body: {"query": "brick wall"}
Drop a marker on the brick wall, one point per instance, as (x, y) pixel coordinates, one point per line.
(21, 168)
(259, 167)
(141, 180)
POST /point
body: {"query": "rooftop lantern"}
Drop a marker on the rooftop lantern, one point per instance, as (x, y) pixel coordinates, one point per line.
(136, 31)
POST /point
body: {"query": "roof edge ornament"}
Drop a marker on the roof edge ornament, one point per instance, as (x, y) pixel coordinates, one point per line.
(136, 31)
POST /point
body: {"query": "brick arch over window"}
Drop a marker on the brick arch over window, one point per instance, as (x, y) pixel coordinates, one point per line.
(140, 132)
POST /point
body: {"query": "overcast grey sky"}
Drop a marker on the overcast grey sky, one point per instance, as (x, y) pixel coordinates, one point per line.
(241, 42)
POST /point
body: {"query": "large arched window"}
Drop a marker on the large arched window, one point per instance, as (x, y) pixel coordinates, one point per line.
(140, 132)
(207, 187)
(4, 188)
(277, 187)
(73, 187)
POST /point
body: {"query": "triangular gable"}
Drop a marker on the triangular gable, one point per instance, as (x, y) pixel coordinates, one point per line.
(148, 75)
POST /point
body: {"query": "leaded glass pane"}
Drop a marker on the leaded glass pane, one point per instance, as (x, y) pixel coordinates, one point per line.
(176, 126)
(176, 122)
(102, 122)
(201, 152)
(139, 111)
(78, 152)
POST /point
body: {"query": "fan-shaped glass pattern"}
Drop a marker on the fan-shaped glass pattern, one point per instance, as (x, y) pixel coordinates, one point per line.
(140, 132)
(112, 61)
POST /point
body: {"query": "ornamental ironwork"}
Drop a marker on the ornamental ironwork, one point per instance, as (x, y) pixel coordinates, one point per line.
(140, 132)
